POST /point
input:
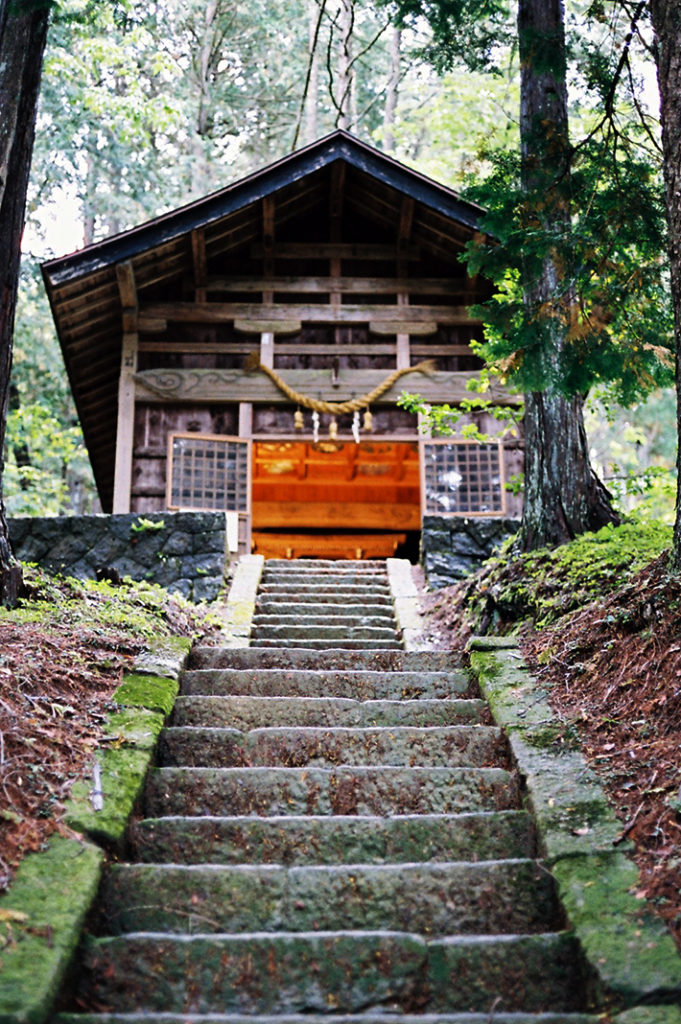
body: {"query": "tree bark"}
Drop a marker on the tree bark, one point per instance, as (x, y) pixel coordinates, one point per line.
(312, 97)
(344, 68)
(563, 496)
(23, 32)
(392, 90)
(666, 18)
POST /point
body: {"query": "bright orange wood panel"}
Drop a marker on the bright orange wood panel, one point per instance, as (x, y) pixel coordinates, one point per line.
(373, 485)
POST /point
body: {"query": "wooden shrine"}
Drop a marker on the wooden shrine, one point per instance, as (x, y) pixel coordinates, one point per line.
(240, 353)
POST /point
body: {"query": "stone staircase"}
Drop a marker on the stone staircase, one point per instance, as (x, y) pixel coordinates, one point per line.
(331, 831)
(317, 604)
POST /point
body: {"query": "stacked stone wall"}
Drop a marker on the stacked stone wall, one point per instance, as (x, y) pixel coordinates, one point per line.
(182, 551)
(454, 547)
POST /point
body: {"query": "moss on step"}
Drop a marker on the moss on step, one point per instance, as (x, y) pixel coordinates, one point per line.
(41, 917)
(650, 1015)
(124, 760)
(157, 693)
(164, 656)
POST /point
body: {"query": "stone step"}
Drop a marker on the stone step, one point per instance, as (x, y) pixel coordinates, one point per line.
(342, 1018)
(507, 897)
(334, 840)
(299, 630)
(342, 790)
(309, 615)
(244, 713)
(325, 580)
(355, 685)
(296, 747)
(331, 599)
(314, 644)
(321, 592)
(383, 661)
(330, 971)
(301, 564)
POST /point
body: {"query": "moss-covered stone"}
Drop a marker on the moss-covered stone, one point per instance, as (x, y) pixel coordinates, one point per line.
(157, 693)
(650, 1015)
(632, 951)
(164, 656)
(54, 890)
(124, 764)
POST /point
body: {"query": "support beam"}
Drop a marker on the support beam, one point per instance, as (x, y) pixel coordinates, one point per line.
(198, 238)
(322, 313)
(208, 386)
(403, 236)
(326, 250)
(125, 427)
(453, 289)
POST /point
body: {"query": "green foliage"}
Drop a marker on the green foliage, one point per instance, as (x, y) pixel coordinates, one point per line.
(144, 525)
(55, 460)
(443, 420)
(611, 301)
(587, 217)
(634, 452)
(473, 32)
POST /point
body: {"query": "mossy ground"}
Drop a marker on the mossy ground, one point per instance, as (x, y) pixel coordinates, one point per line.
(64, 651)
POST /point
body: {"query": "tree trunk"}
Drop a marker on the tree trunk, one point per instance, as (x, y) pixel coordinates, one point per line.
(344, 69)
(391, 91)
(563, 496)
(23, 31)
(312, 97)
(666, 18)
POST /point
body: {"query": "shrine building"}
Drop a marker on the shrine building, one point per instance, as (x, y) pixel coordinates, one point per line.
(241, 354)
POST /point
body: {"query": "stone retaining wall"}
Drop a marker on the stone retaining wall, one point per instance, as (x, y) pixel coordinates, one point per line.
(453, 547)
(182, 551)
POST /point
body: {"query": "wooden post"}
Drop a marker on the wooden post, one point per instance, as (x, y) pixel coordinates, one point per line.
(403, 355)
(125, 429)
(246, 431)
(198, 240)
(267, 337)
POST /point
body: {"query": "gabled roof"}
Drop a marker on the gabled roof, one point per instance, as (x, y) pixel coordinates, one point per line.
(83, 289)
(339, 145)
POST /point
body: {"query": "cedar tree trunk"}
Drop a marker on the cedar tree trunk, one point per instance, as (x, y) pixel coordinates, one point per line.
(563, 496)
(23, 31)
(666, 18)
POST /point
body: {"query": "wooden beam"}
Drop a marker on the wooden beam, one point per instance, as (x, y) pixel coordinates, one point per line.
(291, 349)
(198, 240)
(127, 290)
(267, 326)
(327, 250)
(329, 514)
(205, 386)
(268, 226)
(125, 427)
(221, 312)
(336, 195)
(404, 227)
(452, 288)
(403, 327)
(152, 324)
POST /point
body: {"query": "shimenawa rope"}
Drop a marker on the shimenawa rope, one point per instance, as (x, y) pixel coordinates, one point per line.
(252, 362)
